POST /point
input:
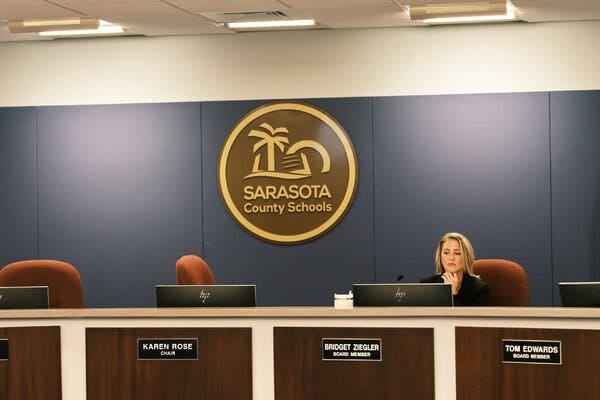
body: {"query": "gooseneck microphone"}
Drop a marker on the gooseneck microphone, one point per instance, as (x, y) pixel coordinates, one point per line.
(399, 278)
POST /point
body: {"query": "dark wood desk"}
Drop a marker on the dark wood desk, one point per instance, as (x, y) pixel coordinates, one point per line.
(449, 326)
(482, 374)
(32, 369)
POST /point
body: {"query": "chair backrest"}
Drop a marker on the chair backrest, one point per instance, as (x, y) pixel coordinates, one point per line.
(193, 270)
(508, 282)
(64, 283)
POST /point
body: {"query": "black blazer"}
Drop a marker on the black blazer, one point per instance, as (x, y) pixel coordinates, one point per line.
(473, 291)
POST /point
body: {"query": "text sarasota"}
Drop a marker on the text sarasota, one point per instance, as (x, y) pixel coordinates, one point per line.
(291, 192)
(312, 199)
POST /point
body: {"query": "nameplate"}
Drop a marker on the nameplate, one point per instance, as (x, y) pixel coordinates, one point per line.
(532, 351)
(168, 349)
(351, 349)
(3, 349)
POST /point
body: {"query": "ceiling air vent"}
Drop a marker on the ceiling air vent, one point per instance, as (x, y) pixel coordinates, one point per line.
(226, 17)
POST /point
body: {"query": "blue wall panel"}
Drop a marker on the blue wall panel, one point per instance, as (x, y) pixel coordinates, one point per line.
(575, 132)
(305, 274)
(476, 164)
(18, 205)
(120, 195)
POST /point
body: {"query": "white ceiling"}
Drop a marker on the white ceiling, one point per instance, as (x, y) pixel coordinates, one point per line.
(201, 17)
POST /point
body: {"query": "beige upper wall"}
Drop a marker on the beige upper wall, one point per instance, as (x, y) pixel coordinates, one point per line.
(303, 64)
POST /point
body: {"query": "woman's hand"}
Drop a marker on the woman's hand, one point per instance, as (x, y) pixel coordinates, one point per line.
(453, 279)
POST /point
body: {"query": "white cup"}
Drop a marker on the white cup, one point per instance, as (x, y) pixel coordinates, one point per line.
(343, 300)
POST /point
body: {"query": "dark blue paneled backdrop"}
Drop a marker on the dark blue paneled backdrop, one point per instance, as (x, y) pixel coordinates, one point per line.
(122, 191)
(476, 164)
(18, 204)
(575, 132)
(120, 195)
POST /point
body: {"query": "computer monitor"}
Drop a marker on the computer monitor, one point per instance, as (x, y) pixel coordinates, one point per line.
(579, 294)
(403, 294)
(23, 297)
(206, 295)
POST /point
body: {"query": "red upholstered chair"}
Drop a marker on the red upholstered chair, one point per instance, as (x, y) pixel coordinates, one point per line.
(508, 282)
(64, 283)
(193, 270)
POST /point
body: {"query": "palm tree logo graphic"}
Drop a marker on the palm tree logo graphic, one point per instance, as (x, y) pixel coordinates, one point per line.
(294, 161)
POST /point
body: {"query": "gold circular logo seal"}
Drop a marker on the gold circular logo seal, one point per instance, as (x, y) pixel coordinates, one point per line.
(287, 172)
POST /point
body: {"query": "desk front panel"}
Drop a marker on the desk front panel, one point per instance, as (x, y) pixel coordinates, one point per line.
(222, 370)
(406, 369)
(481, 373)
(32, 368)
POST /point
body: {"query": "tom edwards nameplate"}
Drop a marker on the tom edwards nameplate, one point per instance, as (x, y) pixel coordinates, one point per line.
(168, 349)
(349, 349)
(531, 351)
(3, 349)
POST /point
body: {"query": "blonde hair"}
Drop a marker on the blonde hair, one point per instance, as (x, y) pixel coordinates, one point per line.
(465, 247)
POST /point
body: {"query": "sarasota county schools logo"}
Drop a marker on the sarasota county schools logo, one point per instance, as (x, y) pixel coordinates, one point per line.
(287, 172)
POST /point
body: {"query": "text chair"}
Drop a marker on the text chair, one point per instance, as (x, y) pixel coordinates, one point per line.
(193, 270)
(64, 283)
(508, 282)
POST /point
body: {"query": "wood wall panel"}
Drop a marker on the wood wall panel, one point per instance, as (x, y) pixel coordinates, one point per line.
(223, 370)
(405, 372)
(32, 371)
(480, 373)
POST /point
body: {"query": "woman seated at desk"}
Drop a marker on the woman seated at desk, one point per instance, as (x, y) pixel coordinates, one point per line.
(454, 264)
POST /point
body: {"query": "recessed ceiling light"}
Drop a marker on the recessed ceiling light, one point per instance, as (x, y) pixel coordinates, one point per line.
(464, 12)
(509, 16)
(104, 28)
(271, 24)
(39, 25)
